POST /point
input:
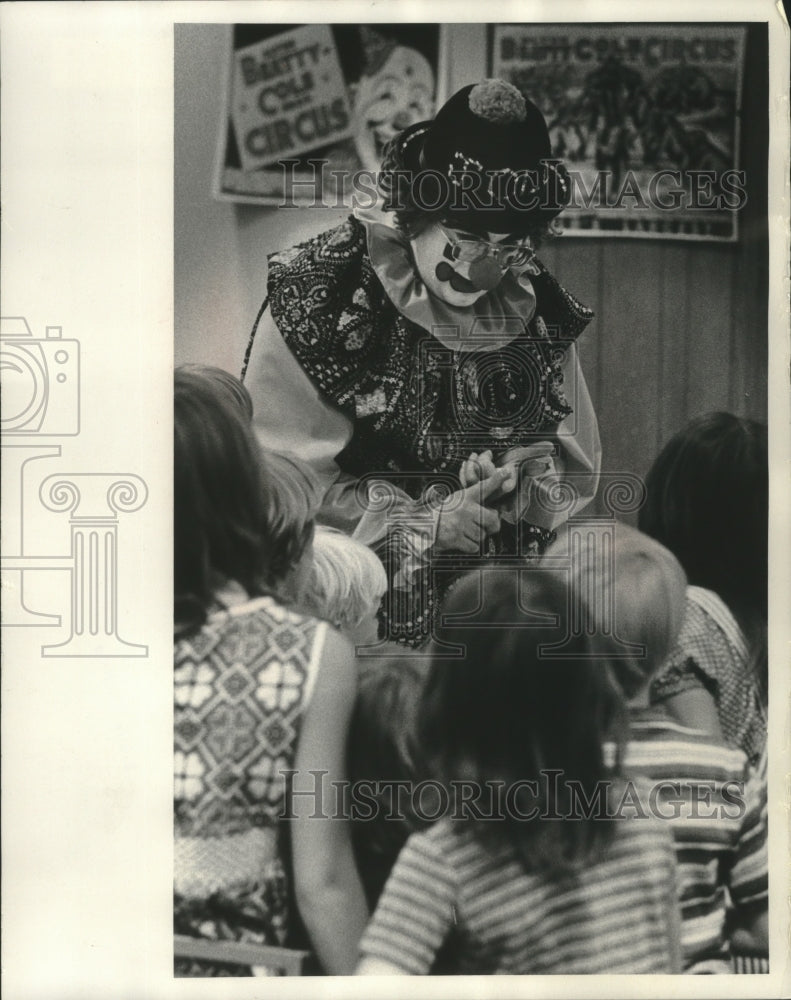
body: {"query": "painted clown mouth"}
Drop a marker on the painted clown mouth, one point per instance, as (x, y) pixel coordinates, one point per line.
(445, 272)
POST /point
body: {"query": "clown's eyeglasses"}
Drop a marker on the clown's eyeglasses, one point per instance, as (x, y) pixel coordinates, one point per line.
(467, 251)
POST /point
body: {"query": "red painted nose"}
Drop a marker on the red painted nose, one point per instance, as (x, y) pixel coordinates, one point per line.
(485, 274)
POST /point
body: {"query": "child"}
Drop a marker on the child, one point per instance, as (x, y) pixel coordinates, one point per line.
(345, 585)
(385, 759)
(521, 892)
(291, 509)
(259, 690)
(708, 503)
(720, 831)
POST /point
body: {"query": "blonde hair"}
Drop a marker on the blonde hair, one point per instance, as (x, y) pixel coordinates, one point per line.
(645, 590)
(346, 580)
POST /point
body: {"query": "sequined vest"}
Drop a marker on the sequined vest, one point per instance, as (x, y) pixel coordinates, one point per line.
(418, 408)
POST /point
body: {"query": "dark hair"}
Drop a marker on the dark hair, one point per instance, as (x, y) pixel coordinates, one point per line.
(503, 712)
(382, 750)
(382, 737)
(708, 502)
(231, 520)
(413, 219)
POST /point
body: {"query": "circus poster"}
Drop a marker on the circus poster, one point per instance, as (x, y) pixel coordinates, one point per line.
(645, 117)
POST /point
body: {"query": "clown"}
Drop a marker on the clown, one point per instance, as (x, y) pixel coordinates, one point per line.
(423, 360)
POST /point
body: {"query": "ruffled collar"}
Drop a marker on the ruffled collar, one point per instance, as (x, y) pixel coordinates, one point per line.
(492, 322)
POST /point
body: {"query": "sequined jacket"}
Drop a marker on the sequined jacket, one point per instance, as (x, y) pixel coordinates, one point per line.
(340, 377)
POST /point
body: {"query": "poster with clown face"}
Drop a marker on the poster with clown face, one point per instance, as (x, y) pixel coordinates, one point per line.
(310, 109)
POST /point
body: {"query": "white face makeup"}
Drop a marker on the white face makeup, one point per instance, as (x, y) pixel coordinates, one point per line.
(445, 277)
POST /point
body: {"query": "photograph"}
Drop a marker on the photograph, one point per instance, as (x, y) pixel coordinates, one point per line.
(507, 461)
(420, 387)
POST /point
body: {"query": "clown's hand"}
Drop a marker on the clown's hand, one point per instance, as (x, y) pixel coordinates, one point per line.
(464, 520)
(478, 468)
(537, 461)
(536, 468)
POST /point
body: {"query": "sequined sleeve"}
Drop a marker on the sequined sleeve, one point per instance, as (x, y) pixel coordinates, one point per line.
(291, 415)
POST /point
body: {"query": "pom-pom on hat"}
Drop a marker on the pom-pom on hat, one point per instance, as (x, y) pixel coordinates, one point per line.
(491, 145)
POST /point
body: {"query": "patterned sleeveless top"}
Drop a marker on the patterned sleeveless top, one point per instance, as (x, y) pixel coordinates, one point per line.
(242, 684)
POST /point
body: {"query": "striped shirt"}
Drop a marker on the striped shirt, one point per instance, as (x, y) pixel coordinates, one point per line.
(615, 916)
(717, 810)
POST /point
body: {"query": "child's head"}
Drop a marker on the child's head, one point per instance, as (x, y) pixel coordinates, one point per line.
(509, 710)
(236, 519)
(344, 584)
(383, 751)
(640, 594)
(382, 744)
(294, 499)
(223, 383)
(707, 501)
